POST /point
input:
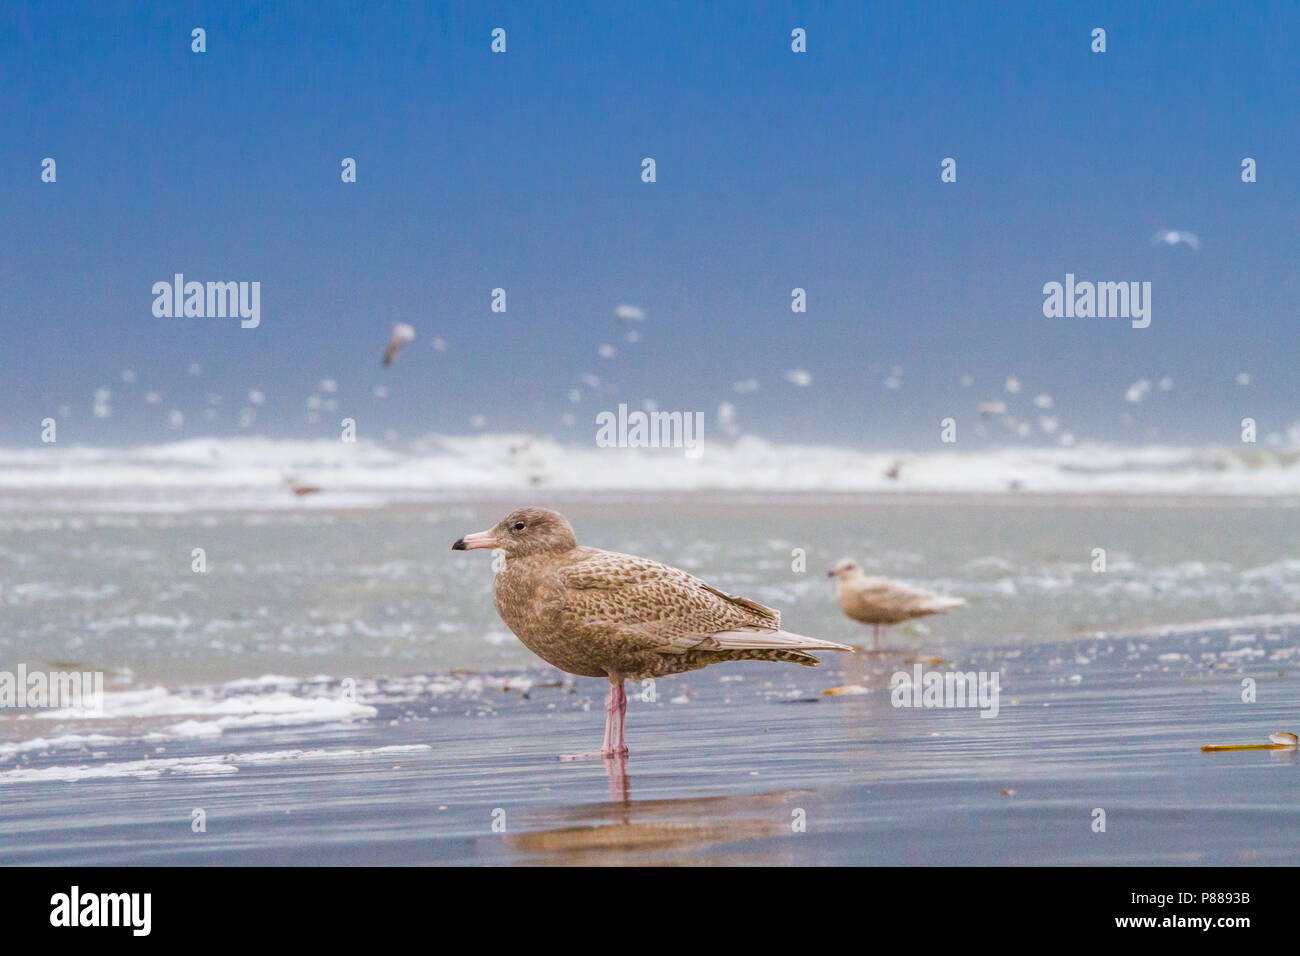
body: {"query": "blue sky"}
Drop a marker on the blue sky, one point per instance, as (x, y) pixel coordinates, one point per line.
(523, 171)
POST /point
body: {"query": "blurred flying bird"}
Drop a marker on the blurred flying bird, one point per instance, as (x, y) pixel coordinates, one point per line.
(1137, 391)
(402, 336)
(1172, 237)
(629, 313)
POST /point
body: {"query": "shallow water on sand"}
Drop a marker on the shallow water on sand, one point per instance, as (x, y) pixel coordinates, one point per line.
(409, 727)
(308, 590)
(724, 765)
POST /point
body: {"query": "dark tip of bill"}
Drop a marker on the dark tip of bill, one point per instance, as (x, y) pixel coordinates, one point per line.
(459, 545)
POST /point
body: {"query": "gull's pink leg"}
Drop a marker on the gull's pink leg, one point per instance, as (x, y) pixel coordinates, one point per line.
(606, 747)
(611, 709)
(620, 747)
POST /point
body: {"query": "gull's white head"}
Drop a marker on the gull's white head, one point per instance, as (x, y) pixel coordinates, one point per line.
(845, 567)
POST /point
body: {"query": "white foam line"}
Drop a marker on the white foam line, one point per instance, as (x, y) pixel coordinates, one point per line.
(58, 743)
(235, 710)
(1196, 627)
(250, 472)
(193, 765)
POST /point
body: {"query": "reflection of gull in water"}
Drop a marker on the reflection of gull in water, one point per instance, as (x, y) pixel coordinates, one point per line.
(620, 788)
(1173, 237)
(624, 830)
(402, 336)
(601, 614)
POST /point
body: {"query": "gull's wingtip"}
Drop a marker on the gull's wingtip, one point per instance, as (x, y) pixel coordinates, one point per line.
(805, 643)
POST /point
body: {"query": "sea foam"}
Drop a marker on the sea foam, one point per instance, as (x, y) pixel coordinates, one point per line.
(253, 473)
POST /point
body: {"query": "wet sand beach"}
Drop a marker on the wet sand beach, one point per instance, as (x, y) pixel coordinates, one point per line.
(337, 690)
(739, 764)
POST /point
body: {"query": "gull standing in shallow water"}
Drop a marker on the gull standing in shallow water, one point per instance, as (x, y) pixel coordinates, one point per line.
(602, 614)
(880, 601)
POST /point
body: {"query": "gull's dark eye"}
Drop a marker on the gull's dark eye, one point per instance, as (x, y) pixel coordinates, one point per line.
(519, 526)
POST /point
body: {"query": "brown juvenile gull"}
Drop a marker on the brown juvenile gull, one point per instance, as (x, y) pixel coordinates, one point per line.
(602, 614)
(880, 601)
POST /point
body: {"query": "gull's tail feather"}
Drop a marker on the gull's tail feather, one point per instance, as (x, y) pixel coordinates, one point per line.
(941, 604)
(770, 640)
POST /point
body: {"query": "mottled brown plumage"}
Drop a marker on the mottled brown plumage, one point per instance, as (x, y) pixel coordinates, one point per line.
(603, 614)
